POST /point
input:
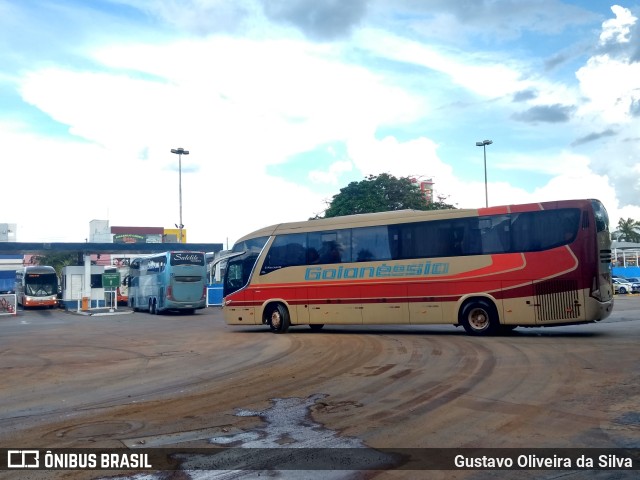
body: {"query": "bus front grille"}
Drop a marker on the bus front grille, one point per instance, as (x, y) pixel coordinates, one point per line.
(557, 300)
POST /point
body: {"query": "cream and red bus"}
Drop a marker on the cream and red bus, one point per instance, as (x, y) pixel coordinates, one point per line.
(489, 270)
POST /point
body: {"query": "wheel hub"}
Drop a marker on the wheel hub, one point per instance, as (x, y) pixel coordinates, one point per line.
(478, 319)
(275, 319)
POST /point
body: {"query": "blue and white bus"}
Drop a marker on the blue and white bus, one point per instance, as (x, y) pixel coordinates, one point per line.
(168, 281)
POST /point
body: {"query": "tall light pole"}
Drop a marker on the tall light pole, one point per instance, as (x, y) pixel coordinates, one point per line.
(180, 152)
(484, 144)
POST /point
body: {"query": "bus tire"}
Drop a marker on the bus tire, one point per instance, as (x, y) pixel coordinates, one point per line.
(316, 327)
(278, 318)
(152, 306)
(479, 317)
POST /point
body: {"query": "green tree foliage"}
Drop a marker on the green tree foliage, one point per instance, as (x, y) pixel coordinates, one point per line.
(380, 193)
(56, 260)
(629, 230)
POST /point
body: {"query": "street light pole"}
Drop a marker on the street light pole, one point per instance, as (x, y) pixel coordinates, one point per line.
(484, 144)
(180, 152)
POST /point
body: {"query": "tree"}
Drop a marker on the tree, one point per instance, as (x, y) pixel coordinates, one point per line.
(57, 260)
(380, 193)
(629, 230)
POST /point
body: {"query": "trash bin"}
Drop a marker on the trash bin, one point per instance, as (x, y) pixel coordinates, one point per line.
(85, 304)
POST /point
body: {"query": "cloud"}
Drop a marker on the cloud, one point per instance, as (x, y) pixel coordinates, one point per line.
(525, 95)
(545, 113)
(609, 86)
(634, 109)
(251, 84)
(570, 174)
(462, 21)
(318, 19)
(549, 164)
(237, 105)
(618, 30)
(333, 174)
(592, 137)
(478, 73)
(620, 36)
(201, 17)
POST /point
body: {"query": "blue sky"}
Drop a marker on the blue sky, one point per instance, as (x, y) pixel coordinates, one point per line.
(283, 102)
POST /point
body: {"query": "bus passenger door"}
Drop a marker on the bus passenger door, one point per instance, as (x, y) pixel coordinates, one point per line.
(335, 305)
(423, 308)
(385, 304)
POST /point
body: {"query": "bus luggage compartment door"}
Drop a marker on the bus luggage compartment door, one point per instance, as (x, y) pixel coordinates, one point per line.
(335, 305)
(383, 304)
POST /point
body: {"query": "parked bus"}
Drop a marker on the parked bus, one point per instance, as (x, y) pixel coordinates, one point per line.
(37, 286)
(489, 270)
(168, 281)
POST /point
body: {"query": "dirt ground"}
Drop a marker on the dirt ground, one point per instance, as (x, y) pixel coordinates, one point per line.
(177, 381)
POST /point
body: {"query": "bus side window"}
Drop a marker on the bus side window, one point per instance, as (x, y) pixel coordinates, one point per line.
(373, 243)
(332, 247)
(286, 251)
(330, 252)
(312, 256)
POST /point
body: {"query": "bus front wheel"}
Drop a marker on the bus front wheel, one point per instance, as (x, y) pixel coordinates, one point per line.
(479, 317)
(278, 317)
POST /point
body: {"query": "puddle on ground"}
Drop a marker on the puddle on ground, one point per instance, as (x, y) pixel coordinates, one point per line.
(288, 423)
(289, 441)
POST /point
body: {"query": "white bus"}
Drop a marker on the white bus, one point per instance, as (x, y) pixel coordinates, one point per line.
(37, 286)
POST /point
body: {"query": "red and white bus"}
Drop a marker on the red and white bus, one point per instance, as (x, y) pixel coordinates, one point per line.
(489, 270)
(37, 286)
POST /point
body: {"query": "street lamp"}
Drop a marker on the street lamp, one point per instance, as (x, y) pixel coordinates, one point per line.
(180, 152)
(484, 144)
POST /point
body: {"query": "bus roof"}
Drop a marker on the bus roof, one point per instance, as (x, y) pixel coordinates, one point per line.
(359, 220)
(396, 216)
(37, 268)
(162, 254)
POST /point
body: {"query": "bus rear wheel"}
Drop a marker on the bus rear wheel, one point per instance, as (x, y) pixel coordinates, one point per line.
(278, 317)
(479, 317)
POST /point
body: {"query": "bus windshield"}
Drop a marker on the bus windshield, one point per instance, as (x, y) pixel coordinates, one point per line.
(41, 284)
(239, 267)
